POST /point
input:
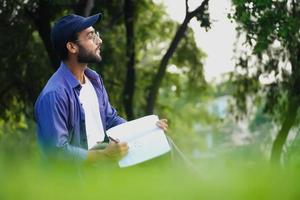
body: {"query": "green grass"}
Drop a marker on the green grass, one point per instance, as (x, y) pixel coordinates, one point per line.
(235, 173)
(158, 179)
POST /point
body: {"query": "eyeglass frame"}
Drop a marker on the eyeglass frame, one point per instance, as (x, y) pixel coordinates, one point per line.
(95, 36)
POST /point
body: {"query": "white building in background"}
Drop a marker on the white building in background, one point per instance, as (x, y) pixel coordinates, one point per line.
(234, 133)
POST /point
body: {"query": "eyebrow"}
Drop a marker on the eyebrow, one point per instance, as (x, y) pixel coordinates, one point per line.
(93, 31)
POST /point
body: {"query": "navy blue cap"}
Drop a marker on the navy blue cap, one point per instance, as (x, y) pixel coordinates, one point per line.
(68, 25)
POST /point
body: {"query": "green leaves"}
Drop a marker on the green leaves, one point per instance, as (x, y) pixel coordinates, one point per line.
(271, 30)
(204, 18)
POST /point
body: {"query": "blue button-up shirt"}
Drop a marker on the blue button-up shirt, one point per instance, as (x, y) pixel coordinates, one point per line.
(60, 116)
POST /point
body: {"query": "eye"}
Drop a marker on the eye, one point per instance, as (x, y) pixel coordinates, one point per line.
(91, 35)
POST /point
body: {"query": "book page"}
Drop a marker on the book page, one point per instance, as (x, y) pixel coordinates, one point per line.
(144, 138)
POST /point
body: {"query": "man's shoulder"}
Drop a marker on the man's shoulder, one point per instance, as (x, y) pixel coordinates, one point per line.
(56, 84)
(56, 88)
(52, 94)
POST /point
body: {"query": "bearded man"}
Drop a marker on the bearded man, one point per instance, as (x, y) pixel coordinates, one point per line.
(73, 111)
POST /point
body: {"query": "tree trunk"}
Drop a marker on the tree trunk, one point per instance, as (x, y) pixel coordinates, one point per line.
(283, 132)
(151, 99)
(293, 104)
(42, 18)
(163, 66)
(129, 87)
(84, 7)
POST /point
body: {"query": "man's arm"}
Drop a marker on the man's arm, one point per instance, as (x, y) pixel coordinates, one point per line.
(51, 112)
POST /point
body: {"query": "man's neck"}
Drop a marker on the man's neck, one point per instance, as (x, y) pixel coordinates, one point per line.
(77, 69)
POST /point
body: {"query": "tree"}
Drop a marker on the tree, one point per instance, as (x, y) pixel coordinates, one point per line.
(201, 13)
(27, 59)
(132, 47)
(129, 86)
(42, 16)
(271, 31)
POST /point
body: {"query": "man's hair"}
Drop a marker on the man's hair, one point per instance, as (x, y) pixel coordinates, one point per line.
(63, 52)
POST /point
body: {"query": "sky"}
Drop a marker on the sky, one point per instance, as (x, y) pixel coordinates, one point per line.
(217, 42)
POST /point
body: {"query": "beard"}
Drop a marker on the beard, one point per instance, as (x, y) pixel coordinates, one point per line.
(86, 56)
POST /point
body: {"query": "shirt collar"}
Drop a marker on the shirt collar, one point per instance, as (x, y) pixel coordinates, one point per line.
(91, 74)
(71, 79)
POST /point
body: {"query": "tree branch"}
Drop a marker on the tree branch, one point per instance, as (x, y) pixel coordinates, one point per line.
(199, 9)
(151, 99)
(186, 7)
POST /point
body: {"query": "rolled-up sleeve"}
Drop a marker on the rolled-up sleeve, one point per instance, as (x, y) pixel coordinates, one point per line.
(51, 112)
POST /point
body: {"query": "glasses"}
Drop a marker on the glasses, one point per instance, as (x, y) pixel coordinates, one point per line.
(94, 36)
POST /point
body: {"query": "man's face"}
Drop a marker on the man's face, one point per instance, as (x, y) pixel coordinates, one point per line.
(89, 44)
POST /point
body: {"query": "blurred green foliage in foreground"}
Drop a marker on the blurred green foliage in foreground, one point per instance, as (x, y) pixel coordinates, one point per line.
(228, 172)
(157, 179)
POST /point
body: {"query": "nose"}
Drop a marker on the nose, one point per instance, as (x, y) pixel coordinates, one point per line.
(99, 41)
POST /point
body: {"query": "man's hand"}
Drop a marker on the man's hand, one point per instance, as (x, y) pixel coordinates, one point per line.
(113, 151)
(163, 124)
(116, 150)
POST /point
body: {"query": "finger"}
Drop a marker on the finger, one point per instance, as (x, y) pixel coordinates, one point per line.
(165, 129)
(124, 150)
(112, 144)
(122, 147)
(122, 144)
(163, 126)
(164, 120)
(159, 124)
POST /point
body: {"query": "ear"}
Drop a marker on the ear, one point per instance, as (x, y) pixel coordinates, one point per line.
(73, 48)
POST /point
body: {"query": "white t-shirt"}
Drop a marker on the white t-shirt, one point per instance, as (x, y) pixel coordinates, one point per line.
(93, 123)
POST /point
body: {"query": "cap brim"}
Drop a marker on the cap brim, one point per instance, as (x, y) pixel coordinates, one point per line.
(89, 21)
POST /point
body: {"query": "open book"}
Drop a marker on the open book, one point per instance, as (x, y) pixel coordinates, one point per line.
(144, 138)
